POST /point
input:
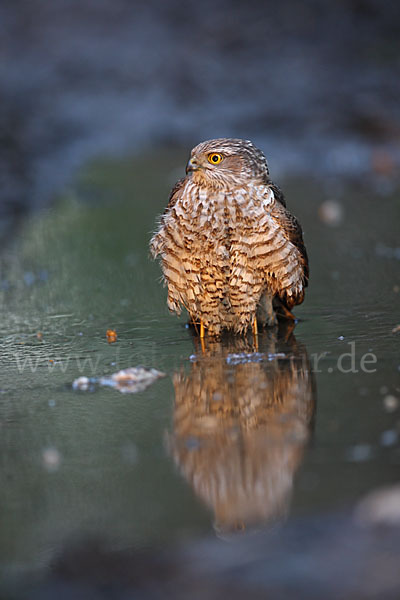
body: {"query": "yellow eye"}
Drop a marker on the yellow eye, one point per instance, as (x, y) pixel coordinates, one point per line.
(214, 158)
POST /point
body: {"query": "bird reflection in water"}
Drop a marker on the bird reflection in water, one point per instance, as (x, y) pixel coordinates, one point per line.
(240, 426)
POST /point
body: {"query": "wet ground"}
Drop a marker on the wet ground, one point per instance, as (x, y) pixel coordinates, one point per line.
(235, 438)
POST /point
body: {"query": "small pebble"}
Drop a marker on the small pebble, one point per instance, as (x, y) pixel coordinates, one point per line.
(359, 453)
(51, 459)
(381, 506)
(82, 383)
(330, 212)
(390, 403)
(389, 437)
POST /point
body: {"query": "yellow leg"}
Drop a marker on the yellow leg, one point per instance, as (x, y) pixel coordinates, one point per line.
(255, 327)
(255, 334)
(203, 346)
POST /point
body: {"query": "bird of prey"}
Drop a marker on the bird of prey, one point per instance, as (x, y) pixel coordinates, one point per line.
(231, 252)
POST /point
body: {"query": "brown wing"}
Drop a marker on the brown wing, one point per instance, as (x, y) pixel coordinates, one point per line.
(174, 193)
(294, 234)
(158, 239)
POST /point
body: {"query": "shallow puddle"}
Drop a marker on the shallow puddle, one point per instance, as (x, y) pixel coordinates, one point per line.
(236, 437)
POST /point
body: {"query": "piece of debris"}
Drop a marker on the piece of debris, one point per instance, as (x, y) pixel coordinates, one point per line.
(246, 357)
(51, 459)
(396, 329)
(111, 336)
(133, 379)
(83, 383)
(380, 507)
(330, 212)
(390, 403)
(127, 381)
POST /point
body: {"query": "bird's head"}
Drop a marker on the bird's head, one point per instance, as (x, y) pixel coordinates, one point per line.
(227, 163)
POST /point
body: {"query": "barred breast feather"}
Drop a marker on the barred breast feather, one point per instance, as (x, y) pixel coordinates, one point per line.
(223, 250)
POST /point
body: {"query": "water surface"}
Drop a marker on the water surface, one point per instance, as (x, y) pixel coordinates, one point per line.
(236, 437)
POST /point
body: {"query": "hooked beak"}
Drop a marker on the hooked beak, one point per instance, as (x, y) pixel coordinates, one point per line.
(192, 165)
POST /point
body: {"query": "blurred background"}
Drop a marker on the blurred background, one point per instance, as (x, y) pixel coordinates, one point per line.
(315, 84)
(104, 494)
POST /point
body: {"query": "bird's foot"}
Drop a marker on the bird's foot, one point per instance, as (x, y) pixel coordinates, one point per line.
(286, 313)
